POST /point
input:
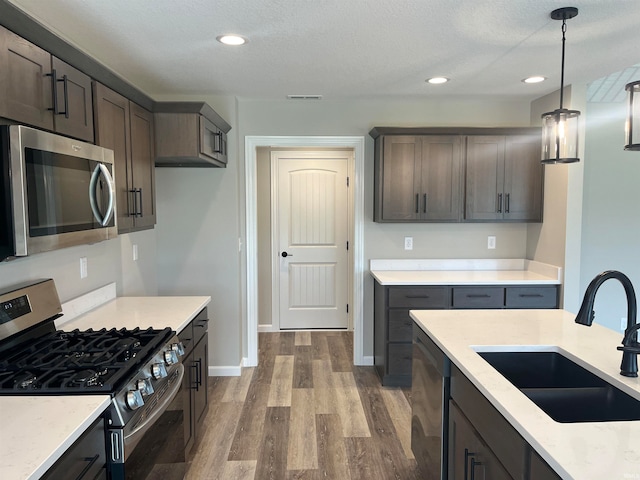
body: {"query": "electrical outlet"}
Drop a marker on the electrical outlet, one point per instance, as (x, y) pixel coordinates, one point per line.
(135, 252)
(491, 242)
(408, 243)
(623, 324)
(83, 267)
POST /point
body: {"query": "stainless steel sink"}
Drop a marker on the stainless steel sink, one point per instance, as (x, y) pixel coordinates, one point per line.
(564, 390)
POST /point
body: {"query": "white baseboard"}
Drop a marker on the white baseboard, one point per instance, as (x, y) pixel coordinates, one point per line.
(225, 371)
(367, 361)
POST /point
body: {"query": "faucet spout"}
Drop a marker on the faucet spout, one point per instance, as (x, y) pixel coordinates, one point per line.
(586, 314)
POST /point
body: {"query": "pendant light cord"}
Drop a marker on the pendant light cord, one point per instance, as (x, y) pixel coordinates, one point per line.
(564, 29)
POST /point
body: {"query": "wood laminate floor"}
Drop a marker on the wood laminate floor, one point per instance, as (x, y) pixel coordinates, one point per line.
(305, 412)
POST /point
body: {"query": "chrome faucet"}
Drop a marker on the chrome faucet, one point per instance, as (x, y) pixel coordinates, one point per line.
(630, 347)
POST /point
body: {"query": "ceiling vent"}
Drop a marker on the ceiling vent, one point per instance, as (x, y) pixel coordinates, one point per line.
(304, 97)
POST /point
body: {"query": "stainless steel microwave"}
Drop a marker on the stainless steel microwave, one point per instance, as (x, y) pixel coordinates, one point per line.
(56, 192)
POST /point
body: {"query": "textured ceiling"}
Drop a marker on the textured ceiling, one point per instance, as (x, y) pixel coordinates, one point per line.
(347, 48)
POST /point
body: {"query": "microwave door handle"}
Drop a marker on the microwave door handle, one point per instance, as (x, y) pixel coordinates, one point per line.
(92, 195)
(101, 169)
(111, 189)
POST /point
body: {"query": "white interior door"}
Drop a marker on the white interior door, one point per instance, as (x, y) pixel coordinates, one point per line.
(312, 234)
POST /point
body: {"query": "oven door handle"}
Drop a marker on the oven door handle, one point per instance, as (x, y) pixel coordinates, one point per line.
(140, 430)
(101, 169)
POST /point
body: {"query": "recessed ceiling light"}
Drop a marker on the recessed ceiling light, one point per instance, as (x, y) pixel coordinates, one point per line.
(231, 39)
(534, 79)
(437, 80)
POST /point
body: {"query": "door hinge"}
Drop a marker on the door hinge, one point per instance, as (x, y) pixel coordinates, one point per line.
(347, 308)
(347, 181)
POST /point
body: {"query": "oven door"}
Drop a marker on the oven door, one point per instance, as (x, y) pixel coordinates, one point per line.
(155, 448)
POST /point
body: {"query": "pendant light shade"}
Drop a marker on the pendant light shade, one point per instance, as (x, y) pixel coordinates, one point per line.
(560, 127)
(632, 126)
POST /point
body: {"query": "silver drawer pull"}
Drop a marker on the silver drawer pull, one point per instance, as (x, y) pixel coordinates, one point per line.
(416, 296)
(483, 295)
(530, 295)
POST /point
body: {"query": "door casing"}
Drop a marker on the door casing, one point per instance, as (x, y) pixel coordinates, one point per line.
(357, 174)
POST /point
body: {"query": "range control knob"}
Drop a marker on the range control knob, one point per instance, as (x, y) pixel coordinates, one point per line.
(178, 348)
(144, 386)
(170, 357)
(134, 399)
(158, 371)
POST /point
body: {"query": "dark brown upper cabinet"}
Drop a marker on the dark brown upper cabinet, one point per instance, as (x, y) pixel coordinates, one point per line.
(42, 90)
(127, 129)
(504, 178)
(190, 134)
(418, 178)
(457, 174)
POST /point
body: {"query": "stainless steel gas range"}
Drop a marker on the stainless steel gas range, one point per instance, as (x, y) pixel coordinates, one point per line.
(140, 369)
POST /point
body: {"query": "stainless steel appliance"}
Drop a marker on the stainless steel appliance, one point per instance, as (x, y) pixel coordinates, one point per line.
(56, 192)
(140, 369)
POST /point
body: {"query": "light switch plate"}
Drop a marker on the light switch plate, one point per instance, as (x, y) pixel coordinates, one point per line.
(135, 252)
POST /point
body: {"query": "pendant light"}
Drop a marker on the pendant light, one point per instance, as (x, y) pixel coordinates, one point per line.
(560, 127)
(632, 126)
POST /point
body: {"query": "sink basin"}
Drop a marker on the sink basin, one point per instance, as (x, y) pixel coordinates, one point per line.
(564, 390)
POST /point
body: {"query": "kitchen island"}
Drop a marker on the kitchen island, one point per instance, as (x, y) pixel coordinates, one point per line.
(37, 430)
(580, 451)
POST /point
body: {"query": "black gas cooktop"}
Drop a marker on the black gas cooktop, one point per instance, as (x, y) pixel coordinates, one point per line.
(90, 361)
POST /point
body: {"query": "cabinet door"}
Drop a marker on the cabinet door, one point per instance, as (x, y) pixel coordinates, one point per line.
(213, 141)
(523, 179)
(143, 166)
(73, 92)
(469, 457)
(485, 178)
(111, 117)
(188, 382)
(25, 80)
(439, 194)
(200, 398)
(400, 179)
(540, 470)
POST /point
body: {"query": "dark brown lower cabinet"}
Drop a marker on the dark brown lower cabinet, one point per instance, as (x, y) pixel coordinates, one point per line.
(195, 339)
(392, 323)
(469, 457)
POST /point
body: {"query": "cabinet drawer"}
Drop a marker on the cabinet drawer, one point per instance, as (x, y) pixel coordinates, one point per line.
(419, 297)
(478, 297)
(532, 297)
(400, 326)
(400, 356)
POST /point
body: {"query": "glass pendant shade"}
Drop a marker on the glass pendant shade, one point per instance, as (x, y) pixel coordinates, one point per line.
(560, 136)
(632, 126)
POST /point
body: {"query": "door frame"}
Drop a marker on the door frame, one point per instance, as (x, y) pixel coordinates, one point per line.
(251, 143)
(310, 155)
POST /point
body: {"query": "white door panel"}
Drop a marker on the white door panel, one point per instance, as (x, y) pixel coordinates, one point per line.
(313, 231)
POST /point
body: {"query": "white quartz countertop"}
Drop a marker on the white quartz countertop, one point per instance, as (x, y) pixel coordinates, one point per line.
(36, 431)
(139, 312)
(464, 272)
(580, 451)
(472, 277)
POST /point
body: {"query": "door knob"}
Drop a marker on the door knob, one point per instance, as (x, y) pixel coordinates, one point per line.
(285, 255)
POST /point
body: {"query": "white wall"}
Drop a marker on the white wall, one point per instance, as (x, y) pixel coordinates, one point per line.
(108, 261)
(197, 241)
(611, 218)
